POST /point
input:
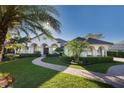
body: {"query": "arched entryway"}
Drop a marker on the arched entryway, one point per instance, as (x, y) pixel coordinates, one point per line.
(54, 46)
(25, 49)
(101, 51)
(91, 51)
(45, 49)
(34, 47)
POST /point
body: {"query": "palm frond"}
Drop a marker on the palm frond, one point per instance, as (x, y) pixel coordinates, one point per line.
(29, 19)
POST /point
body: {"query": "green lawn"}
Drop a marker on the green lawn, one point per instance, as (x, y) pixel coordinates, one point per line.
(26, 74)
(101, 67)
(63, 80)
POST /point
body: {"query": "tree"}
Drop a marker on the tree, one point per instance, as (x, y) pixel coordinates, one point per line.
(14, 46)
(96, 36)
(59, 50)
(75, 48)
(27, 19)
(19, 42)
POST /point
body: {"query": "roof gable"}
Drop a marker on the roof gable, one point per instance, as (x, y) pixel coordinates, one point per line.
(43, 36)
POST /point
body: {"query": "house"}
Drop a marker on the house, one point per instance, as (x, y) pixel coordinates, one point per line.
(47, 45)
(117, 47)
(44, 45)
(96, 47)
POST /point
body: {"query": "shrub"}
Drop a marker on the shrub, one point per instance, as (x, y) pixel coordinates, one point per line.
(88, 60)
(29, 55)
(59, 51)
(95, 60)
(66, 59)
(115, 54)
(5, 80)
(8, 57)
(52, 55)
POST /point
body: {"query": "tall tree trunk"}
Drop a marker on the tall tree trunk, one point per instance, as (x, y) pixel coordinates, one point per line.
(2, 40)
(1, 52)
(77, 58)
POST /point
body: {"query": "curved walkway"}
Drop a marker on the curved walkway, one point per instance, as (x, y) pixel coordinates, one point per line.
(116, 81)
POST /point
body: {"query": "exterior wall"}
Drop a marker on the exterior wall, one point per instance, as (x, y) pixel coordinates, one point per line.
(95, 52)
(43, 40)
(104, 47)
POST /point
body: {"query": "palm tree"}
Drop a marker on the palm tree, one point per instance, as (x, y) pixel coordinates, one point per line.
(75, 48)
(18, 42)
(27, 19)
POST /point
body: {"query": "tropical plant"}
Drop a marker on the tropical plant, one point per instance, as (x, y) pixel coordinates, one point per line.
(96, 36)
(59, 50)
(28, 19)
(19, 41)
(14, 46)
(75, 48)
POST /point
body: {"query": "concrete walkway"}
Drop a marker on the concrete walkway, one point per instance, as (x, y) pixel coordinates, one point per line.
(116, 81)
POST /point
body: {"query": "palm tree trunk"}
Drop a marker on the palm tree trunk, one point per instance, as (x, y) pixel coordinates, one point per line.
(2, 40)
(15, 52)
(1, 52)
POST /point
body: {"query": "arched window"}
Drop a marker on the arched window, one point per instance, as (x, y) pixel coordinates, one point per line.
(101, 51)
(91, 51)
(34, 47)
(54, 46)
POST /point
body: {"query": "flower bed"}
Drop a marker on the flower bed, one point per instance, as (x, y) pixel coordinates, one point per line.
(5, 80)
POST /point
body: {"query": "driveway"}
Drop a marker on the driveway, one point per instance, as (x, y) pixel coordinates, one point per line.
(117, 70)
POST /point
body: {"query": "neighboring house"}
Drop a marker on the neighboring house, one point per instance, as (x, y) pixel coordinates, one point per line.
(44, 45)
(117, 47)
(96, 47)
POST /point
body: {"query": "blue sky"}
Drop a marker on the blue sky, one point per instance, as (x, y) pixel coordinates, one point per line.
(80, 20)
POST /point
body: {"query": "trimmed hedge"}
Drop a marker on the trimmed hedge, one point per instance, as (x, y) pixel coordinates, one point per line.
(29, 55)
(95, 60)
(66, 59)
(52, 55)
(89, 60)
(115, 54)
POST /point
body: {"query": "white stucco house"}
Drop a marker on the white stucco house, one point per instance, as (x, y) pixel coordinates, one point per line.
(96, 47)
(44, 45)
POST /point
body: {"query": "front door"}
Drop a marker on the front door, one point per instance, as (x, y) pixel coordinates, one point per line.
(46, 50)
